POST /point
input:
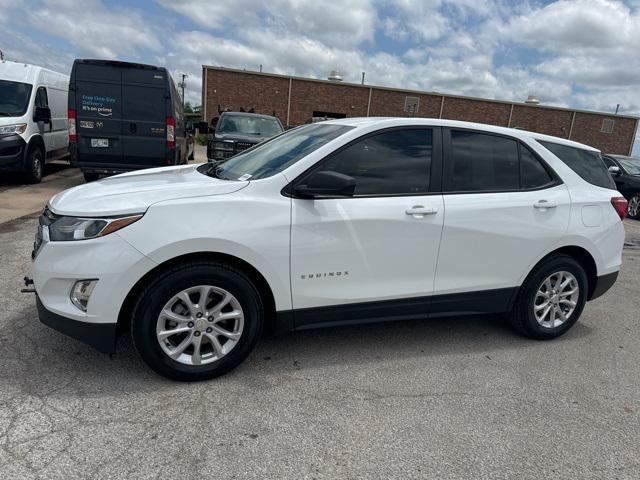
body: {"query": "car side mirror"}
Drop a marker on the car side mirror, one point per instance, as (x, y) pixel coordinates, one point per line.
(42, 114)
(326, 184)
(614, 171)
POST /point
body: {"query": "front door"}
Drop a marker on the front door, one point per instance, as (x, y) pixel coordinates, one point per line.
(374, 254)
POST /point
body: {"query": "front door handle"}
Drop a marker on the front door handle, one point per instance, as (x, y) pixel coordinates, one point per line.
(419, 211)
(544, 204)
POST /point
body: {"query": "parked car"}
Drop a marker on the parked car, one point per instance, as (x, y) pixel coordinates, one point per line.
(237, 131)
(337, 222)
(33, 118)
(124, 116)
(626, 173)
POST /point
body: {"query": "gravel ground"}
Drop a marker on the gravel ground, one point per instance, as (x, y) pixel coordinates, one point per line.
(455, 398)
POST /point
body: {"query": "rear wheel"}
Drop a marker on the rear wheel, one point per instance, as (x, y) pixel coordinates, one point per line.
(90, 177)
(551, 299)
(197, 321)
(633, 210)
(35, 165)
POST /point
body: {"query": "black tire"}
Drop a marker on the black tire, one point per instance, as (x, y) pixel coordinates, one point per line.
(90, 177)
(523, 318)
(35, 165)
(633, 211)
(173, 281)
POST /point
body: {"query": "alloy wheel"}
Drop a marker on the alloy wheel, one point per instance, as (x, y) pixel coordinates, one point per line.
(200, 325)
(556, 299)
(634, 206)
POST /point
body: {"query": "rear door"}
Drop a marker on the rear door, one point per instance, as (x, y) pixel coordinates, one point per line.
(98, 105)
(144, 112)
(504, 208)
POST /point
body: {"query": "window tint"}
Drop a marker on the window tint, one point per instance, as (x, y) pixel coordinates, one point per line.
(396, 162)
(41, 97)
(532, 172)
(481, 162)
(587, 164)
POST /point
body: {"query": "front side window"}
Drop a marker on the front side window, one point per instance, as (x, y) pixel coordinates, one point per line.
(280, 152)
(14, 98)
(631, 165)
(586, 163)
(395, 162)
(41, 97)
(481, 162)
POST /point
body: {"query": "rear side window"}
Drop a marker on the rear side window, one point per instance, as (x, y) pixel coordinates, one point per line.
(396, 162)
(482, 162)
(589, 165)
(532, 173)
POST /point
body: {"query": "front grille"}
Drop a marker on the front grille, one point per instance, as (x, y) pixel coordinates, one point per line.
(243, 146)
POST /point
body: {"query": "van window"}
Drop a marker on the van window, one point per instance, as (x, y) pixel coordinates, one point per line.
(41, 97)
(396, 162)
(586, 163)
(481, 162)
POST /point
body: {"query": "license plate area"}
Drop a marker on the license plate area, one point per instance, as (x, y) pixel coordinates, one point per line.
(100, 142)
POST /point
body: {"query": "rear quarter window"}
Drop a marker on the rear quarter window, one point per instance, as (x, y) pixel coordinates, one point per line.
(586, 163)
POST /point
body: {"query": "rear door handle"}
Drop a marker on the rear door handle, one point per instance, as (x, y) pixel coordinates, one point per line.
(419, 211)
(544, 204)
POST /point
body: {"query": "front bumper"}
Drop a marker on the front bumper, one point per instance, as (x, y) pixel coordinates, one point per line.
(12, 149)
(111, 260)
(101, 336)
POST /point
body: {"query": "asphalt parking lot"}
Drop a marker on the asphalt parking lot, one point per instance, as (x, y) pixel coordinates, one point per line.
(456, 398)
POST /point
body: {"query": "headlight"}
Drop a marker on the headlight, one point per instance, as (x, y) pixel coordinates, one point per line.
(7, 129)
(224, 145)
(74, 228)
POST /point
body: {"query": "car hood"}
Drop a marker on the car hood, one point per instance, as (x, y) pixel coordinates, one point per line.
(134, 192)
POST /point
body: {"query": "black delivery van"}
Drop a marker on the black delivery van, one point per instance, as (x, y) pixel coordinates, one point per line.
(124, 116)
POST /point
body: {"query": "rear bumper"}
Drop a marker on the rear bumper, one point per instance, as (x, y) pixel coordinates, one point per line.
(12, 149)
(603, 284)
(101, 336)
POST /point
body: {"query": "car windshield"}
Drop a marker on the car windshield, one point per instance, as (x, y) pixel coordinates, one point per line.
(250, 125)
(631, 165)
(14, 98)
(273, 156)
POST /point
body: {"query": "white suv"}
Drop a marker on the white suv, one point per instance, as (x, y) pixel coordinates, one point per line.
(332, 223)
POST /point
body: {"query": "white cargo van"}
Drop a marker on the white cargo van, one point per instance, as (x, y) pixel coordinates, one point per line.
(33, 118)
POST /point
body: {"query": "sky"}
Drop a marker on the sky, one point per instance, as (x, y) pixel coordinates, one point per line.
(569, 53)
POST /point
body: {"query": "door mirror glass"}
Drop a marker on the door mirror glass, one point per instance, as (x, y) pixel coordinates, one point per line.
(614, 171)
(326, 184)
(42, 114)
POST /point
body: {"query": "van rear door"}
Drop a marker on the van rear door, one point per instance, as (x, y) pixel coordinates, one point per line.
(144, 113)
(98, 105)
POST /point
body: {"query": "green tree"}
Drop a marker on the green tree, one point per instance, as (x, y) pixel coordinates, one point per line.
(188, 108)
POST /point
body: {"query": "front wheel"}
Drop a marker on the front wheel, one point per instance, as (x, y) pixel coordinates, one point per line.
(633, 210)
(197, 321)
(90, 177)
(551, 299)
(35, 165)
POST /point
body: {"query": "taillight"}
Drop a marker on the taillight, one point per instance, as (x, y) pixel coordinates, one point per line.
(620, 205)
(73, 134)
(171, 132)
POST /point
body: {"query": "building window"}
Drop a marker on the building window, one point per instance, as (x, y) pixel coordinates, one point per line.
(411, 105)
(607, 125)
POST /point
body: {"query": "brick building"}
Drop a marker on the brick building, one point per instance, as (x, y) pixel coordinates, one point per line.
(294, 100)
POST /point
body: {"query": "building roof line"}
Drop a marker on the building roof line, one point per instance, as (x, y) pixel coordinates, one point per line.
(419, 92)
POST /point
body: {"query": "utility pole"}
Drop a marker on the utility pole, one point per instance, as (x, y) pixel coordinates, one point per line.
(362, 78)
(182, 85)
(617, 108)
(1, 56)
